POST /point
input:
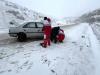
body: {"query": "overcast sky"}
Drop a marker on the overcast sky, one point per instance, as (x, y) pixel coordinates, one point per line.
(60, 8)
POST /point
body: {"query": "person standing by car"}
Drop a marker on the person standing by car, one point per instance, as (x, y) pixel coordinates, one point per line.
(47, 32)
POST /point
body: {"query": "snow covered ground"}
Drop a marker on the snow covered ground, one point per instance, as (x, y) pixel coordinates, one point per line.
(78, 55)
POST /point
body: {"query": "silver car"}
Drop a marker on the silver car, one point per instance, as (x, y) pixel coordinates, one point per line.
(27, 30)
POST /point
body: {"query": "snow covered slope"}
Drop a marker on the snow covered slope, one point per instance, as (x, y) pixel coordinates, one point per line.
(91, 17)
(67, 21)
(78, 55)
(96, 29)
(10, 12)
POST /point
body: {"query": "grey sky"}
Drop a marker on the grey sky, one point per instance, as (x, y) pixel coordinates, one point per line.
(60, 8)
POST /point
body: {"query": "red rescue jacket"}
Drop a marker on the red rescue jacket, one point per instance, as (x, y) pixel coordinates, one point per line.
(61, 35)
(47, 28)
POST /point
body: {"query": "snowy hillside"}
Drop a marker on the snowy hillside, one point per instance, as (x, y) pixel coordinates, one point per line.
(91, 17)
(67, 21)
(10, 12)
(13, 13)
(79, 54)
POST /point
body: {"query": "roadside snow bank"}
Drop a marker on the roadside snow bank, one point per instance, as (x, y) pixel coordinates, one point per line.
(95, 46)
(96, 30)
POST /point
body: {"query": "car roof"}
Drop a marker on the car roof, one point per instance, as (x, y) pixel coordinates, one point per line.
(32, 22)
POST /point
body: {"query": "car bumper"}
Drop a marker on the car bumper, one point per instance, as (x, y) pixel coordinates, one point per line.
(13, 34)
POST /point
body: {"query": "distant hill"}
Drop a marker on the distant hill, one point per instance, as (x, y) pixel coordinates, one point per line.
(10, 12)
(90, 17)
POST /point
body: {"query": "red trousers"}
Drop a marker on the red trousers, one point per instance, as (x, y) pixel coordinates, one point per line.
(47, 40)
(47, 35)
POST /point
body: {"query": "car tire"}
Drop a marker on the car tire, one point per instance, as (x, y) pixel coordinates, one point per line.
(21, 37)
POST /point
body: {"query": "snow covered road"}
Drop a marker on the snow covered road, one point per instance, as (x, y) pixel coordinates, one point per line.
(75, 56)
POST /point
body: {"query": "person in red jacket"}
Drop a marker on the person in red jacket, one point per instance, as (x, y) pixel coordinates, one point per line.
(60, 37)
(47, 32)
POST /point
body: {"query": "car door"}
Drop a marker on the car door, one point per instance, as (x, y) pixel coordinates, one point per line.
(31, 29)
(39, 27)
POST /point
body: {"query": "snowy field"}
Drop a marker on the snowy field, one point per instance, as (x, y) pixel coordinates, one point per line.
(79, 54)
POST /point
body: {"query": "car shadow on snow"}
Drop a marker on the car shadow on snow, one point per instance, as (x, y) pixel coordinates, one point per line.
(10, 41)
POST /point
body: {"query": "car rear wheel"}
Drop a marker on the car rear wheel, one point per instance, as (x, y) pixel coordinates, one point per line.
(21, 37)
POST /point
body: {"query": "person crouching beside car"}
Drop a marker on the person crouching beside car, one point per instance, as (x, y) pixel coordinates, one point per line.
(54, 33)
(57, 35)
(47, 32)
(60, 37)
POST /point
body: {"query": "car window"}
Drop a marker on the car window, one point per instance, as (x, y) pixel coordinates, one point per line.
(39, 24)
(29, 25)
